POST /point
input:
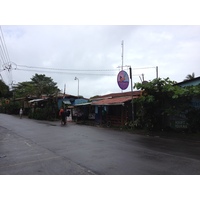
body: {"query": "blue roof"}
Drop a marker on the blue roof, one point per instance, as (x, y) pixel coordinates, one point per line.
(192, 82)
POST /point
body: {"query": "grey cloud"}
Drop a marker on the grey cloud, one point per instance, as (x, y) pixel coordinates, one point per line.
(174, 49)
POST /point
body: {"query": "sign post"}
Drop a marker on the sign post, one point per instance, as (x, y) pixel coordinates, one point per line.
(130, 70)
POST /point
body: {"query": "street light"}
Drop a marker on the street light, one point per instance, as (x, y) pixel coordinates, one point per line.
(78, 84)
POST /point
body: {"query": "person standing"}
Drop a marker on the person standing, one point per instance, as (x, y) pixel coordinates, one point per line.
(62, 115)
(20, 113)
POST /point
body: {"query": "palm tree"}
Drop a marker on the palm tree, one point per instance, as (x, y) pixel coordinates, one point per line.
(190, 77)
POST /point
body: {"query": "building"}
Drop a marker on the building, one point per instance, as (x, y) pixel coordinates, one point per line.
(181, 121)
(192, 82)
(113, 109)
(49, 106)
(70, 102)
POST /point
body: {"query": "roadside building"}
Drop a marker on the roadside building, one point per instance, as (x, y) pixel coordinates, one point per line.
(181, 121)
(191, 82)
(113, 109)
(70, 102)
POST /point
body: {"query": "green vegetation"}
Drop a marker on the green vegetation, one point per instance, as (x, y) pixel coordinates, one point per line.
(39, 85)
(162, 100)
(49, 112)
(4, 90)
(11, 102)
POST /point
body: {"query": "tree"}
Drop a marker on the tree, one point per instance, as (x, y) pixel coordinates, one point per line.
(190, 77)
(39, 85)
(160, 99)
(44, 85)
(4, 90)
(24, 89)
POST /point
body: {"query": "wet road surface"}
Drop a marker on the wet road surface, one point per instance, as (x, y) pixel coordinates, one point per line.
(39, 147)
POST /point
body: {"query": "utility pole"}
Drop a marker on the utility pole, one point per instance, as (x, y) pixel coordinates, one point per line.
(122, 58)
(78, 84)
(156, 71)
(142, 77)
(122, 54)
(132, 106)
(64, 88)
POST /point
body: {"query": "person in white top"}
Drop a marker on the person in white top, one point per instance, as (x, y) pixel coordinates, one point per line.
(20, 113)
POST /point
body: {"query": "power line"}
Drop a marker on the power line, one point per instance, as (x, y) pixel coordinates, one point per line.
(2, 54)
(6, 64)
(65, 72)
(5, 48)
(70, 73)
(65, 69)
(69, 69)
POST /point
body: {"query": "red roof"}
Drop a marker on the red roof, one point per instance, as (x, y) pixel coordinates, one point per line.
(121, 94)
(113, 101)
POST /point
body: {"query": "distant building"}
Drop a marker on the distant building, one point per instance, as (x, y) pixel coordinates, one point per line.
(192, 82)
(69, 100)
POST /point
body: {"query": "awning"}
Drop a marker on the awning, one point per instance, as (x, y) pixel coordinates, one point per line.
(113, 101)
(35, 100)
(66, 102)
(83, 104)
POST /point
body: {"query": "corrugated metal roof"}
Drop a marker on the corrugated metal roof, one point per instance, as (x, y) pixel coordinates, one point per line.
(35, 100)
(67, 102)
(113, 101)
(194, 81)
(114, 95)
(83, 104)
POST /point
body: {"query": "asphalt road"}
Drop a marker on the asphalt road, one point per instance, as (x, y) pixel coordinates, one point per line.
(30, 147)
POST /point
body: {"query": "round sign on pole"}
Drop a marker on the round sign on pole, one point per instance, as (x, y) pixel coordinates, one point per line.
(123, 79)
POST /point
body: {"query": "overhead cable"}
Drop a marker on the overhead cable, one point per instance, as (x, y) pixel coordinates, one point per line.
(6, 64)
(65, 69)
(4, 46)
(65, 72)
(69, 69)
(71, 73)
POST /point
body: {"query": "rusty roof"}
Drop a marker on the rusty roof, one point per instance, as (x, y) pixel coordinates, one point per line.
(114, 95)
(113, 101)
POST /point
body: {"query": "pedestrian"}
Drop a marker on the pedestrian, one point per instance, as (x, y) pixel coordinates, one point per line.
(20, 113)
(60, 114)
(64, 116)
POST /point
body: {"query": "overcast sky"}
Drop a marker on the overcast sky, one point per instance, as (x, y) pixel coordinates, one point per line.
(66, 39)
(174, 49)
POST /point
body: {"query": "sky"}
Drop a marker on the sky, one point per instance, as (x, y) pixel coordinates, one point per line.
(93, 54)
(84, 40)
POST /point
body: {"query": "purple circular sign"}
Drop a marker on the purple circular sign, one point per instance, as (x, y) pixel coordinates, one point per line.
(123, 80)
